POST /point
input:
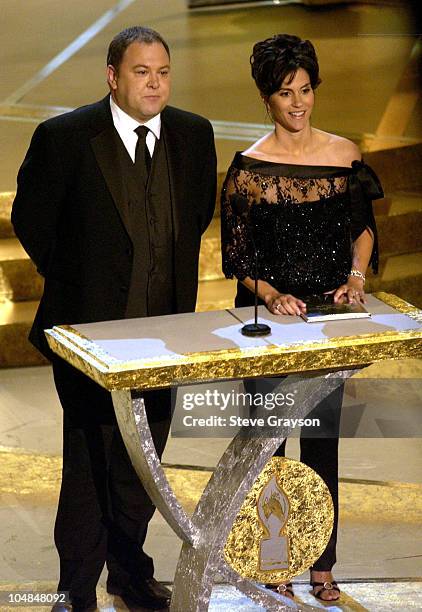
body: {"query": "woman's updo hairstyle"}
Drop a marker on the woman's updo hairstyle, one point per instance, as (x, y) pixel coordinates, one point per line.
(273, 59)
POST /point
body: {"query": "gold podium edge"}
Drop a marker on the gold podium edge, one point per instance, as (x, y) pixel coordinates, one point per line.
(343, 352)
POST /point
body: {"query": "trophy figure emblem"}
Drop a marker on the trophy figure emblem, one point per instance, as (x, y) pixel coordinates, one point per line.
(273, 511)
(284, 524)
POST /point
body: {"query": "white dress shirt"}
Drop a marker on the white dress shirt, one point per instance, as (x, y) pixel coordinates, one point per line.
(125, 126)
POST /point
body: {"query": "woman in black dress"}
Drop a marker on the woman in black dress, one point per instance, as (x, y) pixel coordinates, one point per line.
(309, 198)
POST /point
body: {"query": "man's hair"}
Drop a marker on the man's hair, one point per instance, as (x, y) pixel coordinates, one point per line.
(126, 37)
(281, 56)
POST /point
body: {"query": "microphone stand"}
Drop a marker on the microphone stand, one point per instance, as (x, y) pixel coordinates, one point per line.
(255, 329)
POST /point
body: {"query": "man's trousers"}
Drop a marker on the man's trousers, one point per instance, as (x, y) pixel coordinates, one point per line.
(103, 510)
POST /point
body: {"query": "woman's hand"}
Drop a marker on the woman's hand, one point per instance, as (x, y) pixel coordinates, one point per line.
(284, 304)
(276, 302)
(351, 292)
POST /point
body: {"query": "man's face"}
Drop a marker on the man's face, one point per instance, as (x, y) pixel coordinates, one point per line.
(141, 84)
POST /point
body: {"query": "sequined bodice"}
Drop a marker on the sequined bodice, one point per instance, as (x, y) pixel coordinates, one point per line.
(302, 219)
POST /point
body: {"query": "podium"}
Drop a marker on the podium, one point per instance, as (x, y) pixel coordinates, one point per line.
(157, 352)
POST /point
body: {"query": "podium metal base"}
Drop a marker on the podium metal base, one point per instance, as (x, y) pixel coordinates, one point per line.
(205, 533)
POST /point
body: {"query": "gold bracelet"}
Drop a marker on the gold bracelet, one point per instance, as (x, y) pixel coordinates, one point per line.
(358, 274)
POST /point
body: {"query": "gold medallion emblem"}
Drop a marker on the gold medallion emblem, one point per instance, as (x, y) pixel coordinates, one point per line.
(283, 525)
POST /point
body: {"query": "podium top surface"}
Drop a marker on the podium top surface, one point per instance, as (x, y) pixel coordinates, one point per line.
(156, 352)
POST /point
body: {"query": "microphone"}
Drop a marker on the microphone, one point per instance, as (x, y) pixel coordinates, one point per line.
(240, 208)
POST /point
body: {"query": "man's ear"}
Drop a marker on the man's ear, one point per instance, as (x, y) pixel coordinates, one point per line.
(112, 77)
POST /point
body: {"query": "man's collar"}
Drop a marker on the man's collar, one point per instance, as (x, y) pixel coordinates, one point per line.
(127, 122)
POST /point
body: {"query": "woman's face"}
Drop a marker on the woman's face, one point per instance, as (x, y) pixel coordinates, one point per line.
(292, 105)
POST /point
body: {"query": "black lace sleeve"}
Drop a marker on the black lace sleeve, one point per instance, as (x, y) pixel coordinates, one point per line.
(364, 186)
(237, 251)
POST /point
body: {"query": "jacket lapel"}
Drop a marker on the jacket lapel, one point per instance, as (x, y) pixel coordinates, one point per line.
(104, 145)
(175, 145)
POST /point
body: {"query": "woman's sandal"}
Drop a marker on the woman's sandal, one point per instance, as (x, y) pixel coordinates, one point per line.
(282, 589)
(326, 586)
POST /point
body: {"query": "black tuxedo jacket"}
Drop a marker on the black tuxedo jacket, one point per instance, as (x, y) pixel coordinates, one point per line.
(70, 216)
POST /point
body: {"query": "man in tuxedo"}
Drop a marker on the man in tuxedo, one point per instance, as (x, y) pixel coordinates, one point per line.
(111, 203)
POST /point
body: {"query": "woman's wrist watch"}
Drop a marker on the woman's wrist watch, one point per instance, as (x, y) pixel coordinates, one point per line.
(358, 274)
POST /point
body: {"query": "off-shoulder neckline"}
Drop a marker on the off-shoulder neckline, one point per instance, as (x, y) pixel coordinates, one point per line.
(273, 163)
